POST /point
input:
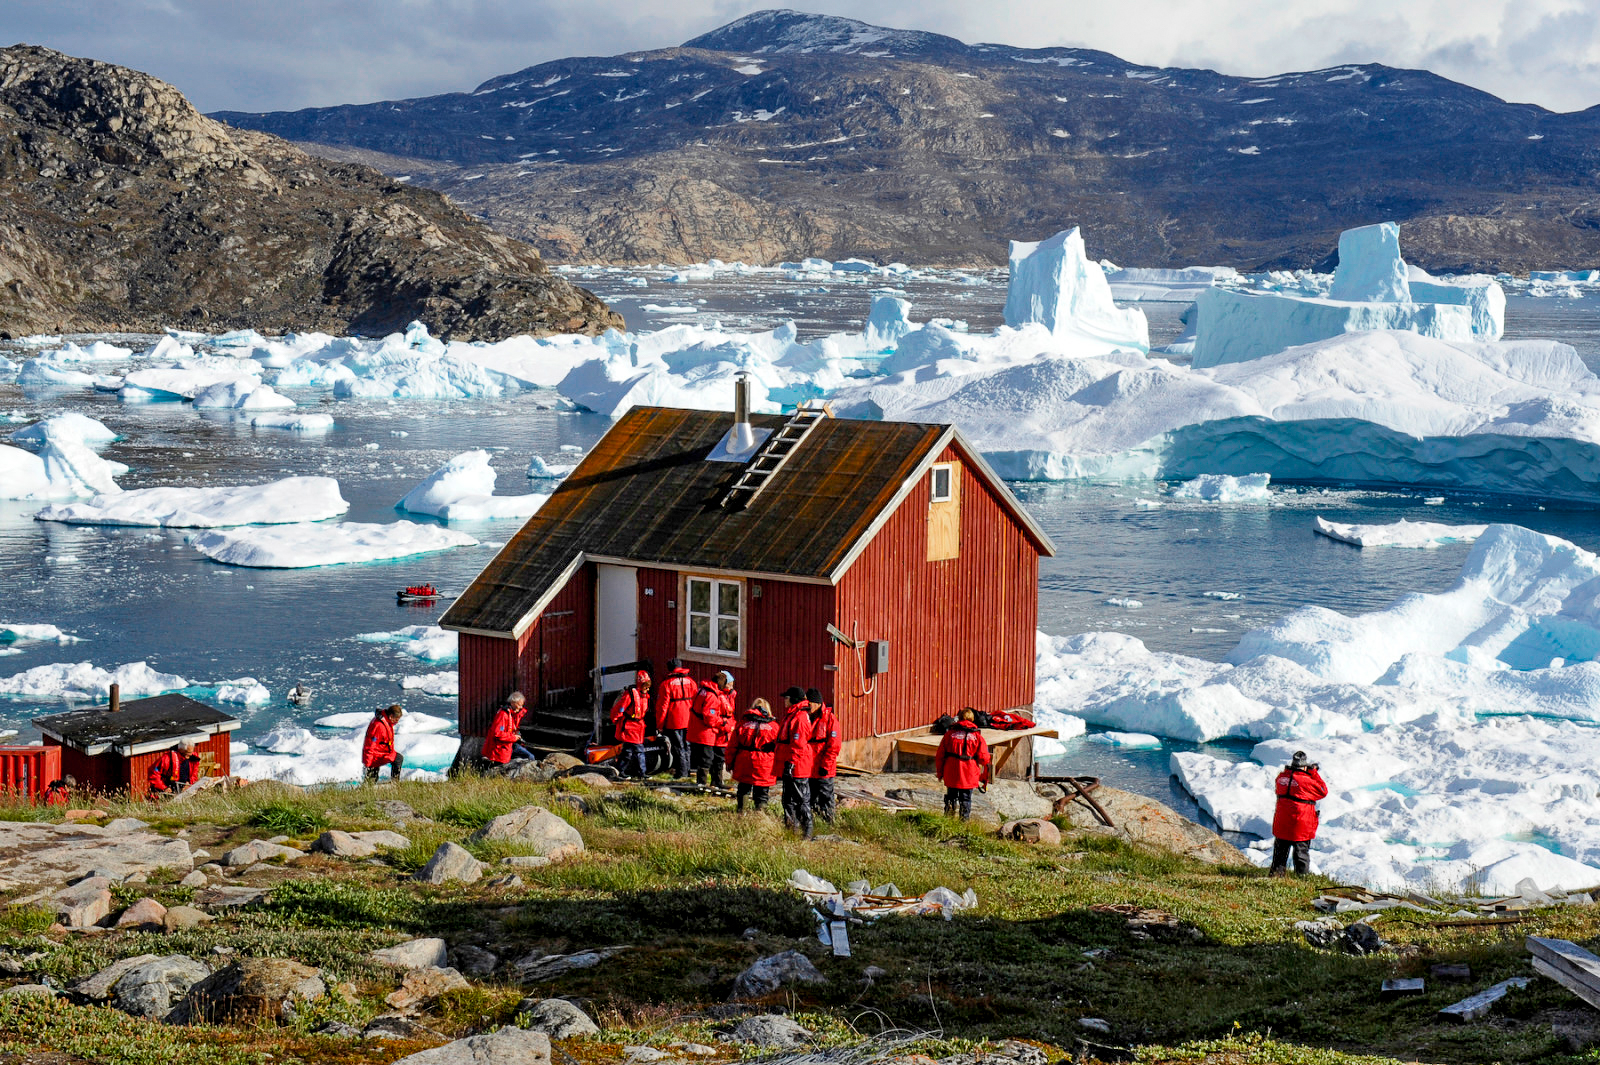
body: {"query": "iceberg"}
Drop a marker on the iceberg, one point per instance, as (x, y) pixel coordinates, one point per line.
(1399, 534)
(63, 469)
(1221, 488)
(85, 680)
(889, 320)
(300, 756)
(17, 633)
(69, 426)
(47, 371)
(308, 544)
(293, 499)
(540, 470)
(427, 642)
(245, 393)
(413, 721)
(1182, 285)
(97, 351)
(463, 490)
(1054, 284)
(245, 691)
(440, 684)
(1370, 268)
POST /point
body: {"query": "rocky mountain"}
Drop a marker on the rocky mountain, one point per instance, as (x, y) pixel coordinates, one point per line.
(122, 208)
(785, 134)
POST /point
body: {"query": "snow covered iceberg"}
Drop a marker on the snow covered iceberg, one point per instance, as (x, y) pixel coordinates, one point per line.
(463, 490)
(1055, 284)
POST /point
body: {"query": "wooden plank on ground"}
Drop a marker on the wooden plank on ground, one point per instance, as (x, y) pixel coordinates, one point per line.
(1568, 956)
(1474, 1006)
(1566, 980)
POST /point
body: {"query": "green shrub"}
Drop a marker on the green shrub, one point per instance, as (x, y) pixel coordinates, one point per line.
(470, 813)
(288, 819)
(341, 904)
(25, 920)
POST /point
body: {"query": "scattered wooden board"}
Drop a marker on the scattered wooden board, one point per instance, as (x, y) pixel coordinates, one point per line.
(1474, 1006)
(1568, 965)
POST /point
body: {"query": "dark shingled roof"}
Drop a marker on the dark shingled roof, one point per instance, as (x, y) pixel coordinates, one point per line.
(161, 719)
(645, 493)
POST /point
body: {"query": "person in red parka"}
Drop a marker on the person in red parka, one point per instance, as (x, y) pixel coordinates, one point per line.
(711, 722)
(962, 762)
(504, 741)
(825, 747)
(673, 701)
(753, 754)
(796, 759)
(173, 770)
(377, 749)
(59, 793)
(1294, 822)
(628, 716)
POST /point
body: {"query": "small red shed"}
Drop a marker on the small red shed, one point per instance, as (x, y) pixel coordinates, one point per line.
(110, 750)
(882, 562)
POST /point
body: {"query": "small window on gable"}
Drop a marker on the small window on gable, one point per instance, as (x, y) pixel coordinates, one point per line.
(714, 616)
(940, 481)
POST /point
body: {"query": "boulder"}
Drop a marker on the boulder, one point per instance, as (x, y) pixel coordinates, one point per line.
(249, 991)
(555, 1017)
(194, 879)
(475, 961)
(538, 966)
(561, 761)
(180, 917)
(534, 827)
(258, 850)
(508, 1046)
(770, 1030)
(413, 954)
(769, 974)
(152, 988)
(357, 844)
(86, 903)
(420, 987)
(383, 839)
(146, 915)
(97, 988)
(450, 862)
(1032, 830)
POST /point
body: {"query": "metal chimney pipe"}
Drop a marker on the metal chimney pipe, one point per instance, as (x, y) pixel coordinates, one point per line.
(743, 438)
(116, 699)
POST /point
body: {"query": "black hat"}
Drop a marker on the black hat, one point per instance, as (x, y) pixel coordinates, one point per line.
(1299, 761)
(674, 663)
(814, 696)
(794, 694)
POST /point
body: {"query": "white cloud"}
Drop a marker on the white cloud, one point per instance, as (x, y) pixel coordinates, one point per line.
(257, 55)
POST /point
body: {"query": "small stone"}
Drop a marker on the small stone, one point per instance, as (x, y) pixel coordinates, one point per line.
(508, 1046)
(556, 1017)
(227, 898)
(577, 802)
(872, 973)
(124, 825)
(475, 961)
(526, 861)
(97, 988)
(770, 1030)
(338, 1030)
(1095, 1024)
(1032, 830)
(769, 974)
(211, 869)
(342, 845)
(396, 1026)
(383, 839)
(145, 916)
(258, 850)
(413, 954)
(84, 904)
(180, 917)
(594, 780)
(638, 1055)
(249, 991)
(422, 986)
(536, 828)
(196, 879)
(450, 862)
(502, 883)
(698, 1050)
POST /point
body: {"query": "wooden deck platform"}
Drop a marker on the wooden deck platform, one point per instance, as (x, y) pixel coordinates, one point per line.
(1002, 744)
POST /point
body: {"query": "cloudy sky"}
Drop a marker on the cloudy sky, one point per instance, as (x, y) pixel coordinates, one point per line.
(261, 55)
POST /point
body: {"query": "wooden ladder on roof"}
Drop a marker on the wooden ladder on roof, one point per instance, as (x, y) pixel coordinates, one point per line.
(770, 457)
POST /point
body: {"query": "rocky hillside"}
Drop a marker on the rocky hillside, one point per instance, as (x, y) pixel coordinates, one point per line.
(785, 134)
(122, 208)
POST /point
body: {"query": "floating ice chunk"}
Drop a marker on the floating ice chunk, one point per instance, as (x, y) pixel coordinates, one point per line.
(246, 691)
(1222, 488)
(194, 376)
(889, 321)
(1400, 534)
(540, 470)
(310, 544)
(427, 642)
(1126, 739)
(85, 680)
(17, 633)
(297, 423)
(412, 721)
(1125, 604)
(1054, 283)
(1370, 268)
(463, 490)
(7, 366)
(69, 425)
(293, 499)
(1221, 595)
(246, 393)
(48, 372)
(62, 469)
(448, 683)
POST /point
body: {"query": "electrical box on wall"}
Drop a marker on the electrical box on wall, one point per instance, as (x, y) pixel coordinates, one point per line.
(877, 657)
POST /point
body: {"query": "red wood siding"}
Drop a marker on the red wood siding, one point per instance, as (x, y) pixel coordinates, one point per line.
(555, 653)
(26, 771)
(786, 632)
(960, 631)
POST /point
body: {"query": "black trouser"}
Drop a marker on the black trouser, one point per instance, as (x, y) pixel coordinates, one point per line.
(759, 793)
(823, 803)
(633, 760)
(708, 756)
(958, 800)
(1280, 856)
(797, 803)
(678, 747)
(394, 769)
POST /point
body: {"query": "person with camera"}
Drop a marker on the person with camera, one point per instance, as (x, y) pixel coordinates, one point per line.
(1294, 822)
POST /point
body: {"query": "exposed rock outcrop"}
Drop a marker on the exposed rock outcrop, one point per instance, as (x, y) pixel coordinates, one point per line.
(122, 208)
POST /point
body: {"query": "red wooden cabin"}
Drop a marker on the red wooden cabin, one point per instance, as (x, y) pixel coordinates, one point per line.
(882, 562)
(110, 750)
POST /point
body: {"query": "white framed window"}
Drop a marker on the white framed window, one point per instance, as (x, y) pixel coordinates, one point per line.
(715, 619)
(940, 482)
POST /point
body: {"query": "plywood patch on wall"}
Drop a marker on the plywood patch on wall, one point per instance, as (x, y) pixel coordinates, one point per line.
(944, 511)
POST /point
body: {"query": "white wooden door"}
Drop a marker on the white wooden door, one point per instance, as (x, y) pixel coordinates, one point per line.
(616, 621)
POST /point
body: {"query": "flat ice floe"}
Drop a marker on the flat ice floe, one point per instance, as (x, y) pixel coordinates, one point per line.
(293, 499)
(441, 684)
(1456, 730)
(296, 423)
(309, 544)
(11, 632)
(463, 490)
(427, 642)
(1399, 534)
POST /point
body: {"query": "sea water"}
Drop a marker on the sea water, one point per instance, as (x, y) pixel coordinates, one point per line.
(1203, 573)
